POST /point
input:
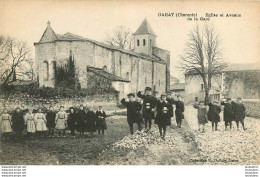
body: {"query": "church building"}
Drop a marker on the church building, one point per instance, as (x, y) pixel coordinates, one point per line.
(126, 71)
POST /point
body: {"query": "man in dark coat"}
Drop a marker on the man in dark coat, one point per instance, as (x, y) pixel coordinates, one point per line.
(213, 114)
(179, 110)
(164, 114)
(149, 103)
(133, 109)
(18, 122)
(81, 120)
(239, 113)
(228, 113)
(50, 117)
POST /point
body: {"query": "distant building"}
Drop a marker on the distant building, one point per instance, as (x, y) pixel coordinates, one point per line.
(194, 88)
(174, 80)
(127, 71)
(178, 89)
(241, 80)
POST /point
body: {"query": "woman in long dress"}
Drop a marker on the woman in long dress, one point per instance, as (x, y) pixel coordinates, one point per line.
(72, 121)
(30, 123)
(6, 124)
(61, 121)
(18, 122)
(40, 121)
(81, 120)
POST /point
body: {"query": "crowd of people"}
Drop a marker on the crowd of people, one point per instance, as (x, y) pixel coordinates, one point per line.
(233, 111)
(159, 109)
(162, 110)
(83, 119)
(37, 124)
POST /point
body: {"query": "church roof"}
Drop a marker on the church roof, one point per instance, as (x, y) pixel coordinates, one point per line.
(144, 28)
(50, 36)
(243, 67)
(106, 74)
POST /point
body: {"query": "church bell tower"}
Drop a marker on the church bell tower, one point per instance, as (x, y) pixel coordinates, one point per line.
(144, 38)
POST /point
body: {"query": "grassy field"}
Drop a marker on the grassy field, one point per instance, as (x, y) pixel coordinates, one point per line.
(66, 151)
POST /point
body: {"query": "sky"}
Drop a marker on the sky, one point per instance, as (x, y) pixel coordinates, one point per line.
(27, 20)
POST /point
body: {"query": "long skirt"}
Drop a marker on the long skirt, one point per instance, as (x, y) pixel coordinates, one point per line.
(31, 126)
(6, 126)
(41, 126)
(60, 125)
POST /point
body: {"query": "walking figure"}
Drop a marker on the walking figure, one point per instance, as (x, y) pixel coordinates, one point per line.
(202, 115)
(133, 108)
(149, 103)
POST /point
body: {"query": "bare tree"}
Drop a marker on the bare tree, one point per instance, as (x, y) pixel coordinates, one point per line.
(121, 37)
(203, 55)
(14, 59)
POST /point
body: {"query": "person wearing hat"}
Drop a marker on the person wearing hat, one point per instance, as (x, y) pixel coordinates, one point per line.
(101, 120)
(179, 110)
(149, 103)
(239, 113)
(213, 114)
(228, 113)
(202, 115)
(133, 109)
(164, 114)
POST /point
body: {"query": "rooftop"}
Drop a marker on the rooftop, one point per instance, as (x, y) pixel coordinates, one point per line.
(144, 28)
(177, 86)
(243, 67)
(106, 74)
(50, 36)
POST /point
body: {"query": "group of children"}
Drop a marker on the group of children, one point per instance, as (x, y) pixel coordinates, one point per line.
(159, 109)
(233, 111)
(37, 124)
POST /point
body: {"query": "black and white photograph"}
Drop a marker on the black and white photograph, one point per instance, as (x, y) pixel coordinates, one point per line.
(129, 83)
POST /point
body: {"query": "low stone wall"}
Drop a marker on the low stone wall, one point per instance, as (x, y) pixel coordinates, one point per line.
(252, 108)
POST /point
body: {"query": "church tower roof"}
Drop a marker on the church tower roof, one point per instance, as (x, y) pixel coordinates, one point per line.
(48, 35)
(144, 28)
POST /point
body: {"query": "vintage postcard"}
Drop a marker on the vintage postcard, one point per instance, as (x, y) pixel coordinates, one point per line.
(129, 82)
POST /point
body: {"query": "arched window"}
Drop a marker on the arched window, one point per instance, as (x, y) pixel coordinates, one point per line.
(45, 70)
(138, 42)
(127, 76)
(105, 68)
(143, 42)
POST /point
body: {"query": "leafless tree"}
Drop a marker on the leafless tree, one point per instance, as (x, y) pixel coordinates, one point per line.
(14, 59)
(203, 55)
(121, 37)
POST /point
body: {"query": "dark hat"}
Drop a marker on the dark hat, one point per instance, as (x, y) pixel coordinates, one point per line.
(131, 94)
(201, 101)
(148, 89)
(169, 93)
(239, 98)
(163, 94)
(228, 99)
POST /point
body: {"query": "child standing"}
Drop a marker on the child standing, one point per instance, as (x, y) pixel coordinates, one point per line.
(228, 113)
(18, 122)
(81, 120)
(72, 121)
(163, 117)
(6, 124)
(133, 108)
(61, 121)
(239, 113)
(51, 121)
(40, 121)
(202, 115)
(91, 121)
(101, 120)
(213, 114)
(30, 123)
